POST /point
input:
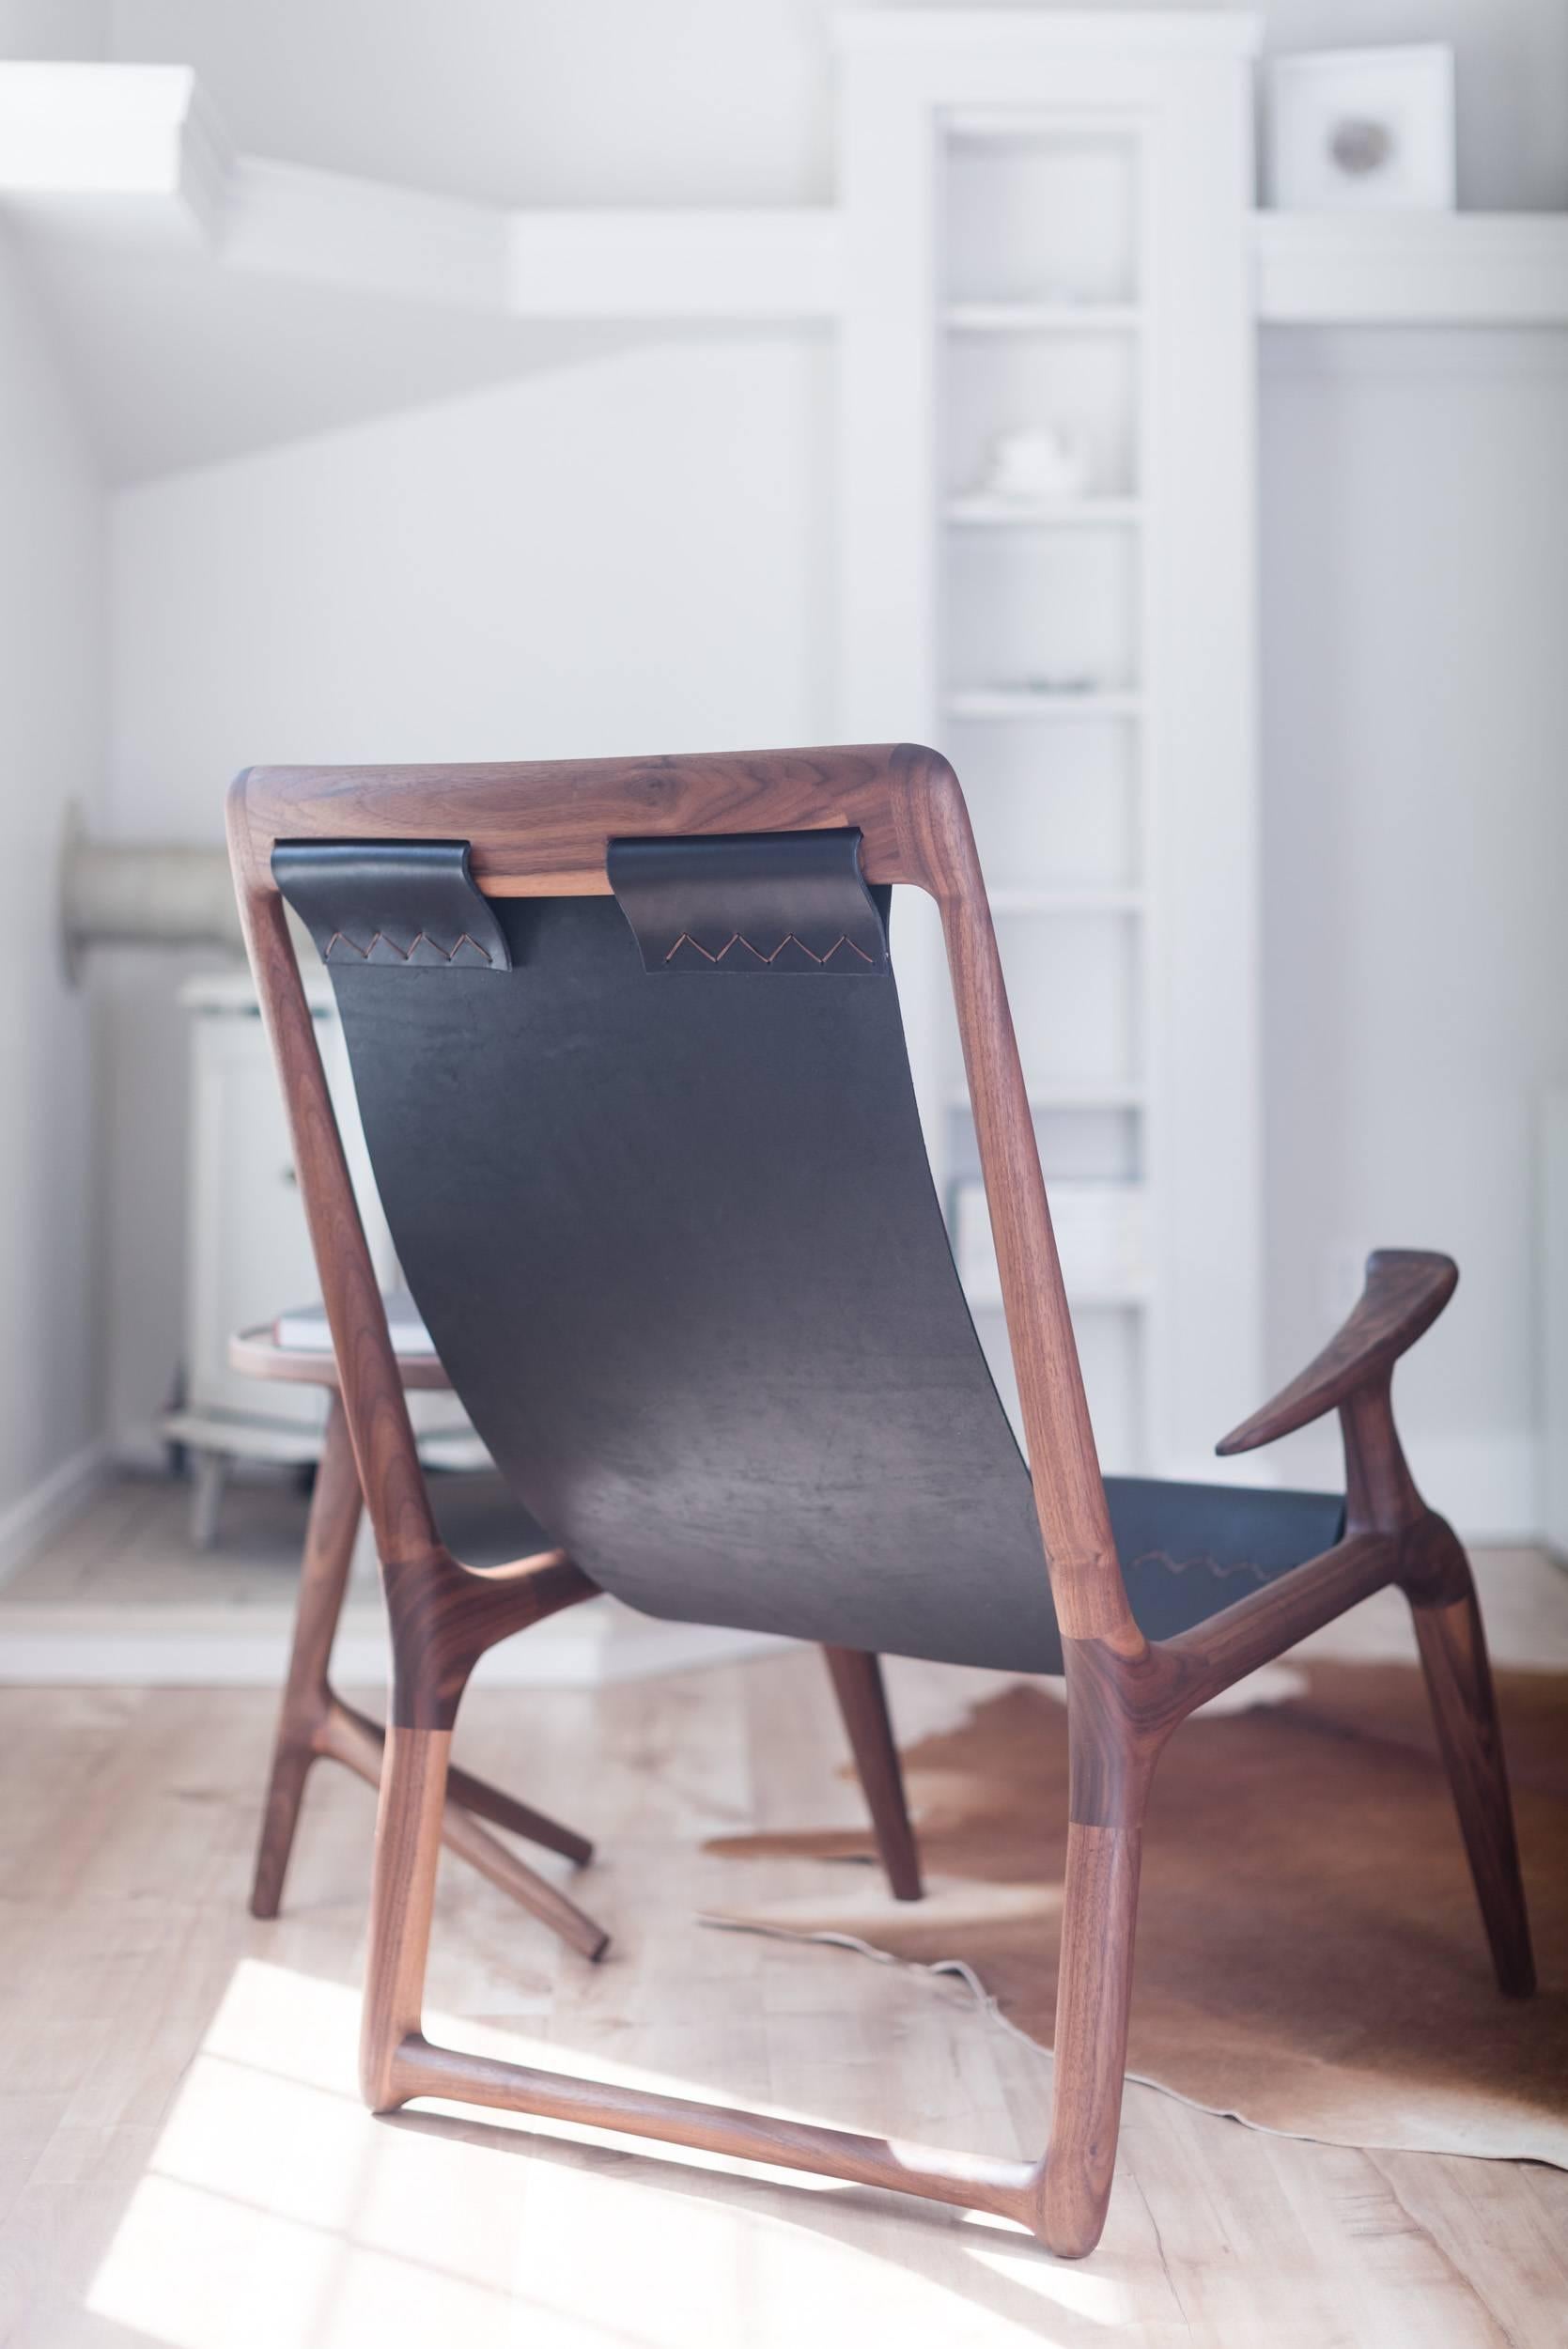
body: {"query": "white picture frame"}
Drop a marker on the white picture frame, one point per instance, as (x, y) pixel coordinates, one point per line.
(1361, 129)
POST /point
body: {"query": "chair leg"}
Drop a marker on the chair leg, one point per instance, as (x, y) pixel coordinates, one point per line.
(351, 1737)
(402, 1900)
(361, 1746)
(398, 2063)
(334, 1522)
(857, 1679)
(502, 1809)
(313, 1723)
(1458, 1676)
(1094, 1994)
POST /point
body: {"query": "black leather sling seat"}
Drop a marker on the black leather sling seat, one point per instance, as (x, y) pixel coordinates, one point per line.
(654, 1173)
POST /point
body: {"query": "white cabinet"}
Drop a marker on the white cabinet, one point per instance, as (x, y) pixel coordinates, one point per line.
(1048, 511)
(248, 1253)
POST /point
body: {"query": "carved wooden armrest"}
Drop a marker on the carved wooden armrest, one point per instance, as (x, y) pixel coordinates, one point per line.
(1407, 1288)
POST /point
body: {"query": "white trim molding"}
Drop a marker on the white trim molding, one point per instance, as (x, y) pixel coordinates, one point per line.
(135, 157)
(247, 1647)
(29, 1522)
(1411, 269)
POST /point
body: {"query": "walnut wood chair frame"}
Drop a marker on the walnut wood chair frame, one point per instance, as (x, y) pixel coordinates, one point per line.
(546, 831)
(314, 1723)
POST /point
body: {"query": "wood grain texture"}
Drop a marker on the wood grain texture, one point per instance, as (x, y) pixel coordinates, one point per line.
(170, 2045)
(974, 2181)
(1407, 1288)
(545, 829)
(305, 1708)
(1072, 2185)
(314, 1724)
(1464, 1713)
(857, 1680)
(361, 1744)
(402, 1898)
(444, 1616)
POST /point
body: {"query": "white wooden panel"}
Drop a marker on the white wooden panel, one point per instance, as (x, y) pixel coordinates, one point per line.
(1047, 220)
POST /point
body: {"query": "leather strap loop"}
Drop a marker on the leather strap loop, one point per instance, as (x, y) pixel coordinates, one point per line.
(766, 902)
(402, 903)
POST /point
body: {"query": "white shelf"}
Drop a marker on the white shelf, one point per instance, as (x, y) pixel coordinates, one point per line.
(1009, 701)
(1087, 900)
(1411, 269)
(1042, 317)
(1004, 513)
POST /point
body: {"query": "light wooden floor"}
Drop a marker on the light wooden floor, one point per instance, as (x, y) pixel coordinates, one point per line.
(130, 1546)
(183, 2160)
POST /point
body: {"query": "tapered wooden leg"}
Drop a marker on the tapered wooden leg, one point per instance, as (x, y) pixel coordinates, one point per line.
(334, 1521)
(862, 1701)
(313, 1722)
(1094, 1994)
(502, 1809)
(349, 1738)
(402, 1897)
(1463, 1708)
(398, 2063)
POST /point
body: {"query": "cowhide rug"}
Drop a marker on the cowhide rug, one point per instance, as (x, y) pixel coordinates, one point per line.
(1309, 1953)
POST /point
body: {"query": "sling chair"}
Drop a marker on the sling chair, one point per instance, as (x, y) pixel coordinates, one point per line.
(631, 1069)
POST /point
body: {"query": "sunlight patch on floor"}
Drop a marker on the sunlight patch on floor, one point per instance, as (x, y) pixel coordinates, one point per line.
(275, 2211)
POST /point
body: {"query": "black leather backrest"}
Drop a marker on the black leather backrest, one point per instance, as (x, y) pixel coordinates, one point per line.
(655, 1176)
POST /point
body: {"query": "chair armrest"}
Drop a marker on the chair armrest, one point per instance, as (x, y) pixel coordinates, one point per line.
(1407, 1288)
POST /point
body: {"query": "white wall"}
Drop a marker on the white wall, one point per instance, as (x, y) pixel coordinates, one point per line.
(629, 555)
(51, 750)
(54, 28)
(1415, 593)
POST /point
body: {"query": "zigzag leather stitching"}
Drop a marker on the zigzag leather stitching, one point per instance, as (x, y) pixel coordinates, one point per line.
(685, 939)
(381, 938)
(1209, 1564)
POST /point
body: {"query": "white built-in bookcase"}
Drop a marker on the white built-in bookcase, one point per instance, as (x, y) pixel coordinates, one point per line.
(1045, 226)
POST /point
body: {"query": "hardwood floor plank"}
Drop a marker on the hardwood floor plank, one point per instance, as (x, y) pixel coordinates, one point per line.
(184, 2160)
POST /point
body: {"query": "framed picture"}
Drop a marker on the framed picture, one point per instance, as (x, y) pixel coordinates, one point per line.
(1361, 129)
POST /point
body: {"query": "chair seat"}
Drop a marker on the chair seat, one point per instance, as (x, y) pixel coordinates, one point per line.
(1187, 1550)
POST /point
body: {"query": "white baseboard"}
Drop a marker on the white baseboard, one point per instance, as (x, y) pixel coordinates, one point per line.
(171, 1646)
(29, 1523)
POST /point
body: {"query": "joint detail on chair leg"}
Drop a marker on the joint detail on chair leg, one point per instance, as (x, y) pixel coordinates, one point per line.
(444, 1616)
(398, 2079)
(352, 1739)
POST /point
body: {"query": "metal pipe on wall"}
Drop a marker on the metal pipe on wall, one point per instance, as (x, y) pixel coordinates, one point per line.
(143, 894)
